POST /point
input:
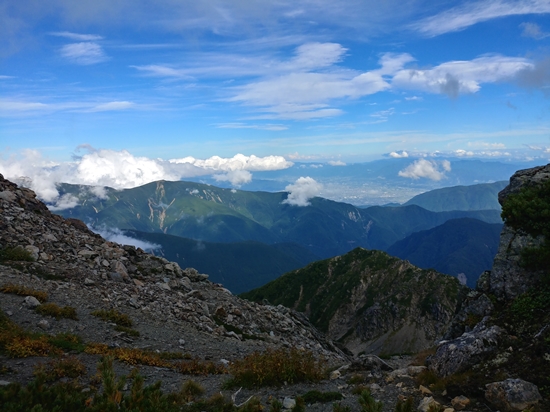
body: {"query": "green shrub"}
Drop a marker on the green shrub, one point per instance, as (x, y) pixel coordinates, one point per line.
(368, 403)
(15, 254)
(275, 367)
(24, 291)
(405, 406)
(53, 310)
(114, 316)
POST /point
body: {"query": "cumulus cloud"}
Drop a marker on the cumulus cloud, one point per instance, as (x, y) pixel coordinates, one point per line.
(463, 153)
(302, 191)
(462, 77)
(84, 53)
(121, 170)
(238, 162)
(118, 236)
(400, 154)
(429, 169)
(237, 178)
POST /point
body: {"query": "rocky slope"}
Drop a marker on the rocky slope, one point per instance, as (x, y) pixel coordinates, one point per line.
(369, 301)
(172, 310)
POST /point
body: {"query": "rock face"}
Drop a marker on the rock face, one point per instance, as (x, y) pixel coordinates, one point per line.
(507, 279)
(512, 395)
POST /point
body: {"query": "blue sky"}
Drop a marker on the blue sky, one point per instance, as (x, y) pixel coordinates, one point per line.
(107, 92)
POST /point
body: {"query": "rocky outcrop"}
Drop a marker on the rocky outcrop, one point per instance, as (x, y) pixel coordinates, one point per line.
(370, 302)
(460, 354)
(507, 278)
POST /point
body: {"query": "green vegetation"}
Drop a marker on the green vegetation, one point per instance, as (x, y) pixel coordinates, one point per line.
(24, 291)
(368, 403)
(114, 316)
(529, 211)
(15, 254)
(275, 367)
(51, 309)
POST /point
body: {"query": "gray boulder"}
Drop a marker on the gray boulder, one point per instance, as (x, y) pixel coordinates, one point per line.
(462, 353)
(512, 395)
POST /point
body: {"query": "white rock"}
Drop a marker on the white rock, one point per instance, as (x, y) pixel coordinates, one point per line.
(289, 403)
(31, 302)
(335, 375)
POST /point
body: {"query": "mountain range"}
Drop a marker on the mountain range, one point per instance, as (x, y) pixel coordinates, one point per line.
(192, 220)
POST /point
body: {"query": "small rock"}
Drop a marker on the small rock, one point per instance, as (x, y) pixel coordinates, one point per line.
(163, 286)
(289, 403)
(33, 250)
(460, 402)
(335, 375)
(4, 383)
(31, 302)
(89, 282)
(44, 324)
(424, 390)
(426, 403)
(116, 277)
(181, 342)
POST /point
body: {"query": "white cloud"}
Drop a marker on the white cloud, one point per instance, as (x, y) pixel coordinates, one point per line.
(104, 107)
(429, 169)
(118, 236)
(67, 201)
(121, 170)
(237, 162)
(397, 155)
(336, 163)
(84, 53)
(302, 191)
(77, 36)
(462, 153)
(237, 178)
(470, 13)
(99, 191)
(459, 77)
(305, 94)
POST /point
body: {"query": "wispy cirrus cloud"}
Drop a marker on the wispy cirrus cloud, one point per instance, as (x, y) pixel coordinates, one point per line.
(271, 127)
(22, 107)
(84, 53)
(468, 14)
(76, 36)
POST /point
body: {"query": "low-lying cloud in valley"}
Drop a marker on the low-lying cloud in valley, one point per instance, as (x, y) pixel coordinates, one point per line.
(118, 236)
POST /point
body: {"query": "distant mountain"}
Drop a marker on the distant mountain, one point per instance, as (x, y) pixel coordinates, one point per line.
(476, 197)
(466, 246)
(208, 213)
(239, 266)
(369, 301)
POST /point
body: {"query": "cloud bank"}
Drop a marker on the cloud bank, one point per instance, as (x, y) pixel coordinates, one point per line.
(429, 169)
(304, 189)
(121, 170)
